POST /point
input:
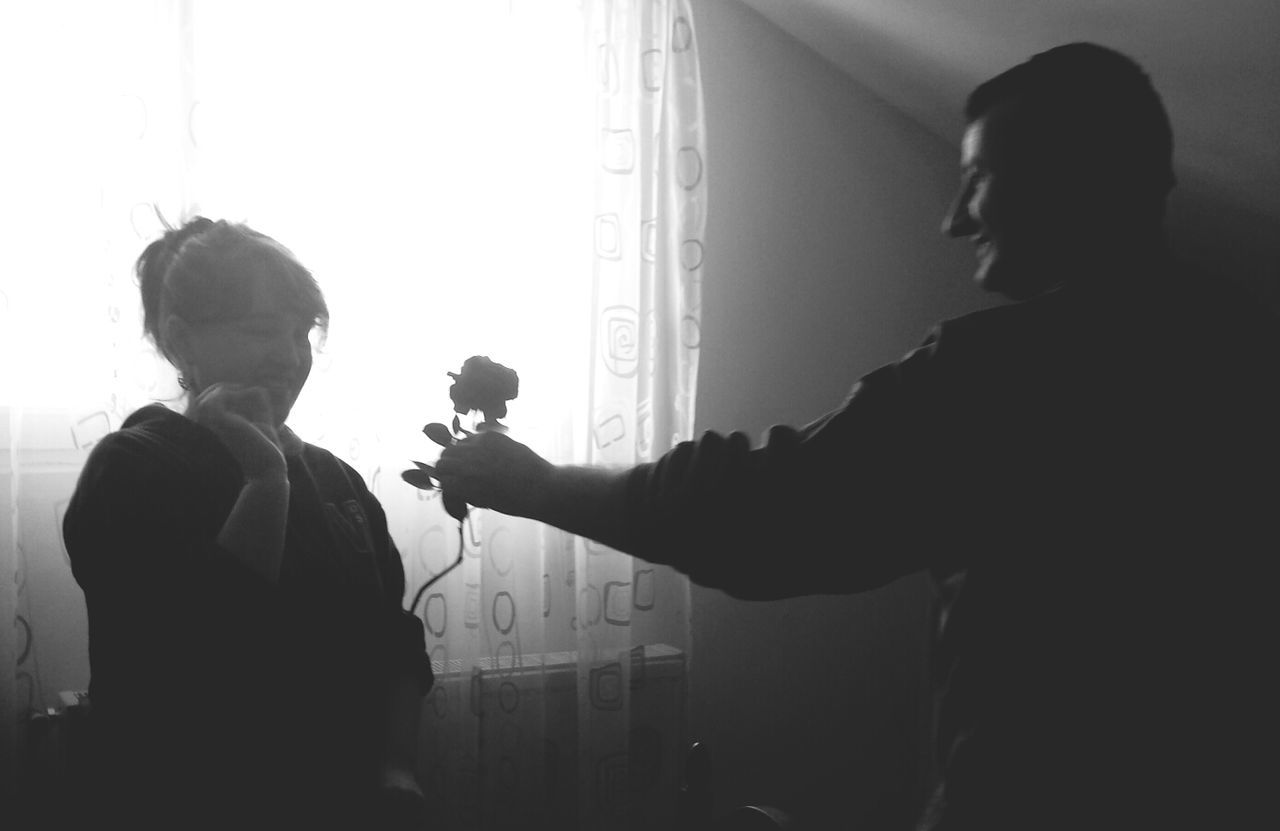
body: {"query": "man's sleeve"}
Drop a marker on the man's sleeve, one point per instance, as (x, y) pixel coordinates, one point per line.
(844, 504)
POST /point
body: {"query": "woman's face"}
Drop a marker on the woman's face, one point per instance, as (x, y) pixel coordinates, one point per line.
(269, 346)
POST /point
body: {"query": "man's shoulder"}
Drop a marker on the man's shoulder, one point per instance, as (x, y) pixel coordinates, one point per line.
(1000, 330)
(1011, 318)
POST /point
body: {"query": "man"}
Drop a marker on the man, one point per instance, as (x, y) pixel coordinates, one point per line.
(1087, 473)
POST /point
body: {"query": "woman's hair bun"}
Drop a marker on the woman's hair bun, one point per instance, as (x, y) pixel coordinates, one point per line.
(154, 264)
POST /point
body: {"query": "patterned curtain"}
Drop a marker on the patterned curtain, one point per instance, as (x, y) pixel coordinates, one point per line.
(567, 706)
(650, 215)
(518, 178)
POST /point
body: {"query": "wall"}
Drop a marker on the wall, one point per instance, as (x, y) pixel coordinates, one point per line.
(824, 262)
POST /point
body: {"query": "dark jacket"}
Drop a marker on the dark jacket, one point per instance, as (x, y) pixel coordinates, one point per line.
(220, 699)
(1092, 481)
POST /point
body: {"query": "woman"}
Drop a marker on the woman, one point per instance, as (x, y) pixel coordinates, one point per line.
(251, 663)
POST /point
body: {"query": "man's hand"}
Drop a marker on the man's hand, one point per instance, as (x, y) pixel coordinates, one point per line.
(400, 805)
(242, 418)
(490, 470)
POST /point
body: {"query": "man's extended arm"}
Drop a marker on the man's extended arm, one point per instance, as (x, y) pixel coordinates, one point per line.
(832, 507)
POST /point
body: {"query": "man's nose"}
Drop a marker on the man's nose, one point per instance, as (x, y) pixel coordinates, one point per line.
(959, 221)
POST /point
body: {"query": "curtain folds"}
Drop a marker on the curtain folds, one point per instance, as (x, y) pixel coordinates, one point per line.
(524, 179)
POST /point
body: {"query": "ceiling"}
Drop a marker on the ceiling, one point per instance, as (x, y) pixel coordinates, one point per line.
(1215, 62)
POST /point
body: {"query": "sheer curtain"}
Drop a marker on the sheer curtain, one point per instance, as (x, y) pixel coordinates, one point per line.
(523, 179)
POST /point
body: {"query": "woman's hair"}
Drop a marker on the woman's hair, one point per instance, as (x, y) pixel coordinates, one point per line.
(192, 272)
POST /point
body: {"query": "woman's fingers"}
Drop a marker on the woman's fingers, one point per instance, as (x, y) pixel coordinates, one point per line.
(250, 403)
(240, 417)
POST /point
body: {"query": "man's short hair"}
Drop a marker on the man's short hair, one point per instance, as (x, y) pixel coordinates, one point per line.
(1090, 111)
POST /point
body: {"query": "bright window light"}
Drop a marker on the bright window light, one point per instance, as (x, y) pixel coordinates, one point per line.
(430, 162)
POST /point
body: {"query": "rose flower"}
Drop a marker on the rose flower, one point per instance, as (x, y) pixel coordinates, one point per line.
(485, 386)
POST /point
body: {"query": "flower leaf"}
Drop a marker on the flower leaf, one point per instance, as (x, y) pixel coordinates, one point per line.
(419, 479)
(438, 433)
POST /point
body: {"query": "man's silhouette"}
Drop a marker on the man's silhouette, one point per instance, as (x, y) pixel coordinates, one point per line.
(1089, 474)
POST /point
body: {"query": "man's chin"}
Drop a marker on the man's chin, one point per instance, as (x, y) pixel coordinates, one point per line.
(1000, 278)
(990, 278)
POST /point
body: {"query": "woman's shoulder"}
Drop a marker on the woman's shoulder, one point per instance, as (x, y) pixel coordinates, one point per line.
(154, 421)
(156, 436)
(152, 415)
(141, 430)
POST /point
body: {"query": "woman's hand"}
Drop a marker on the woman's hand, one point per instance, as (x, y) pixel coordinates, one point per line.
(242, 418)
(490, 470)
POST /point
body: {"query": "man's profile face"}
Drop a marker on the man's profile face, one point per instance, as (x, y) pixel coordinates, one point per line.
(1014, 211)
